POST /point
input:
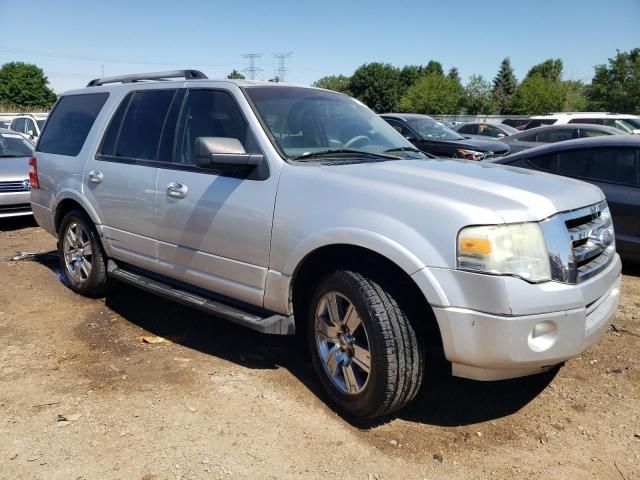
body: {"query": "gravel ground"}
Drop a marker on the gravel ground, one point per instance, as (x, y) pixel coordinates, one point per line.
(83, 397)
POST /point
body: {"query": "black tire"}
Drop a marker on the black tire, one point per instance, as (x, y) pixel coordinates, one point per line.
(396, 351)
(96, 283)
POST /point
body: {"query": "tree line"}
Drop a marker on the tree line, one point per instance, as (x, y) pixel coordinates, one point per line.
(615, 87)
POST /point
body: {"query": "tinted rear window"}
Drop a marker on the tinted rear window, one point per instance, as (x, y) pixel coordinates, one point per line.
(70, 123)
(618, 165)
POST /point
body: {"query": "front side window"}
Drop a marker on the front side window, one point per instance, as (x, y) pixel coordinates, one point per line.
(489, 130)
(558, 135)
(210, 113)
(302, 121)
(468, 129)
(547, 162)
(617, 165)
(70, 123)
(19, 125)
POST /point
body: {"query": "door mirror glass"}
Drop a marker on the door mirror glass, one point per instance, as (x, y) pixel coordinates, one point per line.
(212, 152)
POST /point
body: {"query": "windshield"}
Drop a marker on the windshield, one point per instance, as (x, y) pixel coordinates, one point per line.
(431, 129)
(14, 145)
(633, 121)
(304, 121)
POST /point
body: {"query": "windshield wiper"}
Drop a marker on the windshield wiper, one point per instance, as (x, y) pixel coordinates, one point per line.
(403, 149)
(343, 151)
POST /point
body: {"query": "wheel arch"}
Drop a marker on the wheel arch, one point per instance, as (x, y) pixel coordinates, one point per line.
(68, 201)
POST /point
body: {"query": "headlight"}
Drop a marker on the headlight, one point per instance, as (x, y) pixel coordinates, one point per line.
(516, 249)
(471, 154)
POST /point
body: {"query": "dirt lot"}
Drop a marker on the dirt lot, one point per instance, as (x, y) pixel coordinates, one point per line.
(82, 397)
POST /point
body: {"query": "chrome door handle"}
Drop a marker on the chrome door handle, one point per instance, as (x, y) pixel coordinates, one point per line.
(96, 176)
(177, 190)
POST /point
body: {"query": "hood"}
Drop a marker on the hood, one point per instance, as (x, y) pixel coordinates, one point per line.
(515, 194)
(14, 168)
(483, 145)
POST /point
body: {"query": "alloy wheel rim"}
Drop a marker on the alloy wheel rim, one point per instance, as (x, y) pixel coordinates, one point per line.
(342, 343)
(78, 253)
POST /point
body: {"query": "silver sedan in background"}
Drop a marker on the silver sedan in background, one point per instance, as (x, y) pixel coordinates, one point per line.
(15, 188)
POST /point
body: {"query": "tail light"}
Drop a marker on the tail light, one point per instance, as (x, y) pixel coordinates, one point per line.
(33, 173)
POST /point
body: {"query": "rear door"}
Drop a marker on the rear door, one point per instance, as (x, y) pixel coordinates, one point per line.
(617, 172)
(216, 233)
(120, 181)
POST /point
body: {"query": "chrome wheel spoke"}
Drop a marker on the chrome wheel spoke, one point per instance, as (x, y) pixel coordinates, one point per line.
(332, 307)
(77, 252)
(86, 267)
(332, 361)
(329, 332)
(86, 248)
(352, 319)
(350, 380)
(362, 358)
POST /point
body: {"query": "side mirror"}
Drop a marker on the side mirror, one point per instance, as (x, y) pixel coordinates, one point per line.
(212, 152)
(501, 135)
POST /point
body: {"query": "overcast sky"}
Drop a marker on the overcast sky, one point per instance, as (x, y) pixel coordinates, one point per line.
(74, 42)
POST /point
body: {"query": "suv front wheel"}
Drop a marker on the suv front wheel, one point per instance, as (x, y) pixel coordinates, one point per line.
(363, 346)
(81, 256)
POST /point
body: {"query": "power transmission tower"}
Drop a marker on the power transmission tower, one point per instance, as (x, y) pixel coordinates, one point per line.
(282, 70)
(252, 70)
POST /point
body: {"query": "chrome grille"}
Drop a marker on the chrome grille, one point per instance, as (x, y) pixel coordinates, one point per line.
(15, 186)
(581, 242)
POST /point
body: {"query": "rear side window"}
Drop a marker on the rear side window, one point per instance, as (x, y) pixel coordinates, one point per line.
(617, 165)
(138, 135)
(70, 123)
(469, 129)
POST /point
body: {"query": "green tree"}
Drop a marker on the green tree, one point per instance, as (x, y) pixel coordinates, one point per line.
(454, 74)
(616, 87)
(575, 98)
(337, 83)
(433, 68)
(477, 96)
(409, 74)
(550, 69)
(537, 95)
(504, 86)
(377, 85)
(434, 95)
(235, 75)
(25, 85)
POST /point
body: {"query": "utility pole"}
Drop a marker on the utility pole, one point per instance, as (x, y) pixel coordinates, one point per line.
(282, 70)
(252, 70)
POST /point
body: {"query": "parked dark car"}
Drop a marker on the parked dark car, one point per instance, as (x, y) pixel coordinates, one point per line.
(612, 163)
(433, 137)
(537, 137)
(484, 129)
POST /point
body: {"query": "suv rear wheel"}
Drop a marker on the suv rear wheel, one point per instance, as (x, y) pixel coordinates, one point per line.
(363, 346)
(81, 255)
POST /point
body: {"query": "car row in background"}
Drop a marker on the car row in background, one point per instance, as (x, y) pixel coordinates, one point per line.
(434, 137)
(15, 151)
(556, 133)
(28, 124)
(624, 122)
(609, 162)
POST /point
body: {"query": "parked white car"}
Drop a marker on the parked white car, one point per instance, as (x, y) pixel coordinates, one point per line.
(28, 124)
(624, 122)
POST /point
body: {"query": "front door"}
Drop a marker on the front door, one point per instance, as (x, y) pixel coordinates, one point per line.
(214, 227)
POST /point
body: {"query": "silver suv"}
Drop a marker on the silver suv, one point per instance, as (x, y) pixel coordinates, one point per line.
(297, 210)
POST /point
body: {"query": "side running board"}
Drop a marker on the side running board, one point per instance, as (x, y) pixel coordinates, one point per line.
(273, 324)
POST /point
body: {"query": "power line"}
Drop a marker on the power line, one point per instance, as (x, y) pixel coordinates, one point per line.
(252, 70)
(282, 70)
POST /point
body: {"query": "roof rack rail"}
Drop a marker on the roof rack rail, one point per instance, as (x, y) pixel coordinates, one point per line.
(186, 74)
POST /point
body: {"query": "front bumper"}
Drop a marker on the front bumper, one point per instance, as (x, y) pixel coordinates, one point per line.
(529, 338)
(14, 204)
